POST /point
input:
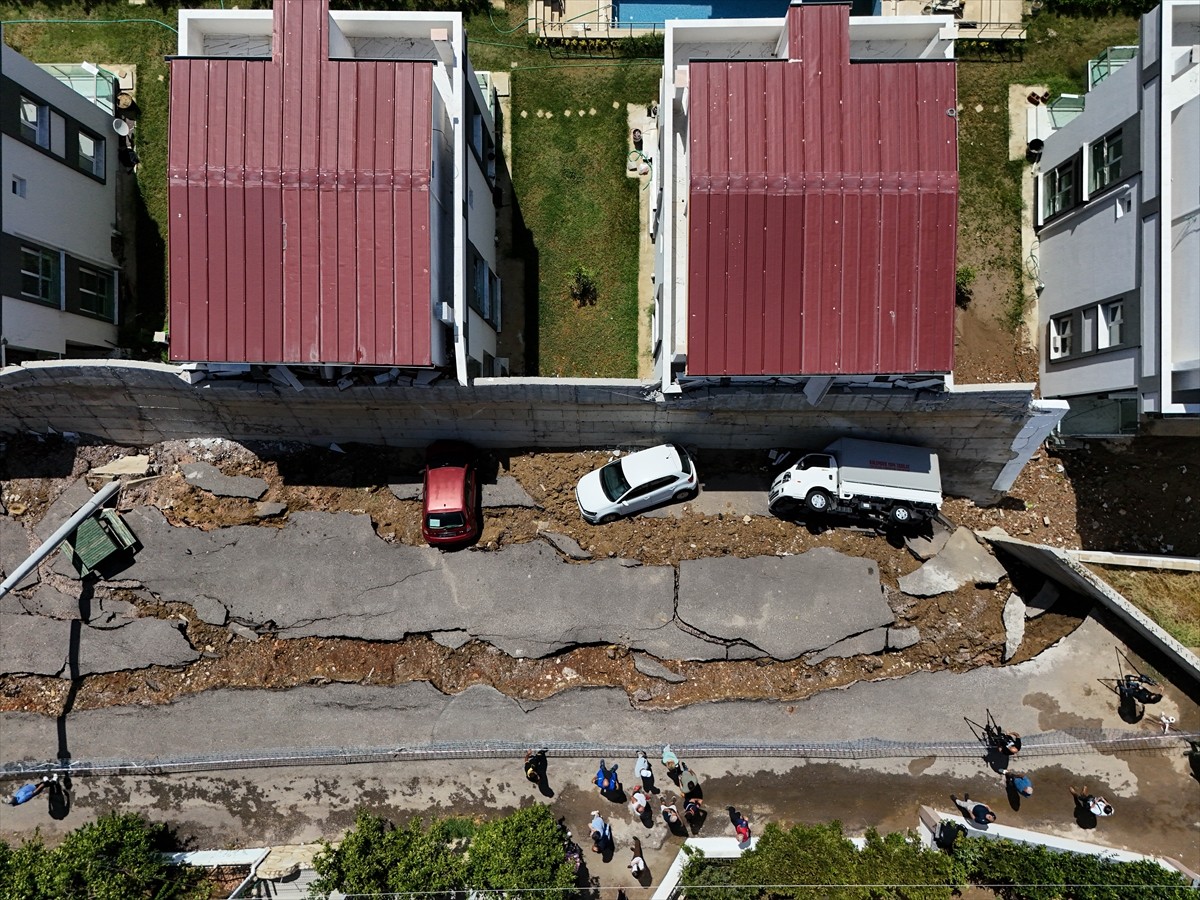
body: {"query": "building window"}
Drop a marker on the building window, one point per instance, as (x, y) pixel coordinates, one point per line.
(18, 185)
(1106, 162)
(1061, 337)
(484, 297)
(91, 154)
(35, 122)
(1113, 332)
(39, 275)
(96, 293)
(1061, 188)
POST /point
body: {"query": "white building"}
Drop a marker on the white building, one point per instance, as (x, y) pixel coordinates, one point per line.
(58, 275)
(1118, 213)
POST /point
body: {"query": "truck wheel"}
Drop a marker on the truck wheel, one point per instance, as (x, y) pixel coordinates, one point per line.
(901, 515)
(818, 500)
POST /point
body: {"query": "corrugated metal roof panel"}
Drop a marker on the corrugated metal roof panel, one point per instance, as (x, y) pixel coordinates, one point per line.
(823, 210)
(299, 204)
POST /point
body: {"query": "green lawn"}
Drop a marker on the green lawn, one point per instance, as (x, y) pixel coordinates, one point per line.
(1055, 54)
(578, 204)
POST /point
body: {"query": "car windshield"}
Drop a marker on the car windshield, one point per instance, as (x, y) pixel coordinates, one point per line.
(437, 521)
(685, 461)
(612, 481)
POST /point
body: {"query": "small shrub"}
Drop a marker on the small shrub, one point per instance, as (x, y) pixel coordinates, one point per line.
(583, 286)
(964, 279)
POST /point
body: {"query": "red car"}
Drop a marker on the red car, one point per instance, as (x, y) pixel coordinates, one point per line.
(450, 514)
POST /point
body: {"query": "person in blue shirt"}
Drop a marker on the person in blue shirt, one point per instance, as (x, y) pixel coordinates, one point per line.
(1019, 782)
(27, 792)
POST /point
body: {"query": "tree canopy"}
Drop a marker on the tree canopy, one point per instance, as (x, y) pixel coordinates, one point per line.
(522, 850)
(117, 857)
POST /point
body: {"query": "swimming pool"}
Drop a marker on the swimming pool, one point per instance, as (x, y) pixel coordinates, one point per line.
(656, 12)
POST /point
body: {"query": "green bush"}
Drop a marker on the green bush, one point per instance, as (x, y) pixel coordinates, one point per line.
(1030, 872)
(117, 857)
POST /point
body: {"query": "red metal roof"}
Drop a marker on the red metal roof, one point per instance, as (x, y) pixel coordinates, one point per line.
(299, 204)
(822, 210)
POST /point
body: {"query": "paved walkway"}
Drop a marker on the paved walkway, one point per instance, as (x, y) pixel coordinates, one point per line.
(1157, 804)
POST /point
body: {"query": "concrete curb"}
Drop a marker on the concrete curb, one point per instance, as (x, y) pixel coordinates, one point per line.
(1062, 568)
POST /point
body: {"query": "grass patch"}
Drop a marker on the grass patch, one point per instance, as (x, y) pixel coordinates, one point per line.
(1172, 599)
(569, 176)
(1055, 54)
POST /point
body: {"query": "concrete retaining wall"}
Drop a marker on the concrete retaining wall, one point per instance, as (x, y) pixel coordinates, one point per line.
(1058, 565)
(974, 428)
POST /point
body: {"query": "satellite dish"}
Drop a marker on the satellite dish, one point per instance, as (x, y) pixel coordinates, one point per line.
(121, 127)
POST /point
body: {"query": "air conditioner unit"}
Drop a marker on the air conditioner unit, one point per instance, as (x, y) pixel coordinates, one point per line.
(445, 313)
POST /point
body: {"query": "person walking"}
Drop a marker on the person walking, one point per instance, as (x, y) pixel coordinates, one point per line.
(694, 812)
(637, 865)
(672, 763)
(741, 825)
(688, 782)
(535, 766)
(27, 792)
(1097, 806)
(601, 833)
(670, 814)
(1019, 782)
(641, 767)
(979, 813)
(606, 780)
(639, 803)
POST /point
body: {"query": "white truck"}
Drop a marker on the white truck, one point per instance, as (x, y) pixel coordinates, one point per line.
(889, 482)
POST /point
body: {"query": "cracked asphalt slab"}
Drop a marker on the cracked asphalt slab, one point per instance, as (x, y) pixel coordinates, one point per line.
(330, 575)
(1158, 806)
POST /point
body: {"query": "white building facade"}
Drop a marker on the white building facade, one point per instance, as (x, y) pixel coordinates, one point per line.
(59, 278)
(1118, 216)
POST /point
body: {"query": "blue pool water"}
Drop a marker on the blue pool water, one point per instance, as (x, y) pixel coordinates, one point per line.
(656, 12)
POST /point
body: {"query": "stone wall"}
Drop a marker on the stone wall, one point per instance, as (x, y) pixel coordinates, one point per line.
(974, 428)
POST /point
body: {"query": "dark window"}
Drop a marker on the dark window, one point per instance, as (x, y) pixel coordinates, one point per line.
(91, 153)
(1061, 186)
(39, 275)
(1062, 337)
(35, 122)
(1106, 162)
(1112, 334)
(484, 296)
(96, 293)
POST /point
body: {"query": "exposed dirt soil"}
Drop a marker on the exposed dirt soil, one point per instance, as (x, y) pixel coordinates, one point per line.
(959, 631)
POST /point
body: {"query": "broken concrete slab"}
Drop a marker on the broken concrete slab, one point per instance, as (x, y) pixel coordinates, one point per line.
(507, 491)
(1043, 600)
(566, 545)
(239, 630)
(923, 547)
(330, 575)
(65, 506)
(869, 642)
(903, 638)
(210, 610)
(962, 561)
(452, 639)
(141, 643)
(108, 612)
(1014, 625)
(209, 478)
(137, 464)
(270, 509)
(787, 606)
(49, 601)
(652, 668)
(408, 490)
(14, 550)
(33, 645)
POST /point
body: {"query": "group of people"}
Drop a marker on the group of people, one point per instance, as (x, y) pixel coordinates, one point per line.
(1019, 784)
(608, 783)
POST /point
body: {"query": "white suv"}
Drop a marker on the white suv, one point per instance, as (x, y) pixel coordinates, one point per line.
(636, 482)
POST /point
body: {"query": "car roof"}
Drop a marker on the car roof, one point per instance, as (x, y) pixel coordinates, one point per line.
(444, 488)
(646, 465)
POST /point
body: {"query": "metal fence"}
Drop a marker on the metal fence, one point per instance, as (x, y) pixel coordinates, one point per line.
(1053, 743)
